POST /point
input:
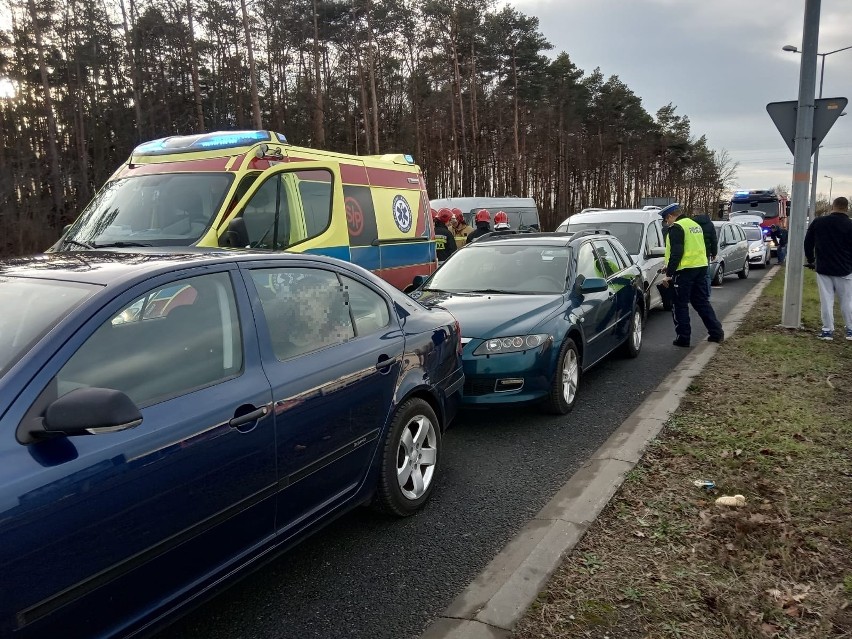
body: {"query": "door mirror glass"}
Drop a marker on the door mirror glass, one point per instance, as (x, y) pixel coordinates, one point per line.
(418, 281)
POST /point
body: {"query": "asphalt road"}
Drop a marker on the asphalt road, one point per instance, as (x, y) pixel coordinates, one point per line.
(373, 577)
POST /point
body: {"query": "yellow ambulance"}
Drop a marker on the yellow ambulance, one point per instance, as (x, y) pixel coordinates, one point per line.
(251, 189)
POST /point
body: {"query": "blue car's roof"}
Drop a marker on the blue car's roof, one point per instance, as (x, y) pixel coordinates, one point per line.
(532, 239)
(109, 267)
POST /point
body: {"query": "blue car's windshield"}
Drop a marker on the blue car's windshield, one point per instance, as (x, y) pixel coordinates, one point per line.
(31, 307)
(509, 268)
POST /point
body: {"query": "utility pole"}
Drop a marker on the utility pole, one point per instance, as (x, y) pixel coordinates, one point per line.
(791, 315)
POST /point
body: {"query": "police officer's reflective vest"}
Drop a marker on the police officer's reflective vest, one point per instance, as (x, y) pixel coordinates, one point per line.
(694, 250)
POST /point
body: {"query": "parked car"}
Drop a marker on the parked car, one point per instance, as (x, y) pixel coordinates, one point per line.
(733, 253)
(171, 420)
(759, 248)
(641, 233)
(537, 311)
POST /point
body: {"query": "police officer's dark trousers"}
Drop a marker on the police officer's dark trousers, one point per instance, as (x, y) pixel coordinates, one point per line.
(691, 287)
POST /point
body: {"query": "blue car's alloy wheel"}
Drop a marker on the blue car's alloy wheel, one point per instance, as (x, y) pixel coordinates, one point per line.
(566, 380)
(411, 457)
(633, 343)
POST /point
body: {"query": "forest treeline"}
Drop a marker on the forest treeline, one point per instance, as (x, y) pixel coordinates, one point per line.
(472, 90)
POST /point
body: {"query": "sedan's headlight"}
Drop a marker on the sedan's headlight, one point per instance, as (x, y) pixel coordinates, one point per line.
(514, 344)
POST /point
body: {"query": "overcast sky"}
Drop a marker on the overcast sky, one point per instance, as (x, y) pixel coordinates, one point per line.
(720, 62)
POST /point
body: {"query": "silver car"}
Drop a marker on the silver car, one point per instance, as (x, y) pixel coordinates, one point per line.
(733, 253)
(640, 232)
(759, 248)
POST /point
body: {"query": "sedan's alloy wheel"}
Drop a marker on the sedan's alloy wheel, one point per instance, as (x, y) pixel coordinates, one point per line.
(411, 459)
(416, 457)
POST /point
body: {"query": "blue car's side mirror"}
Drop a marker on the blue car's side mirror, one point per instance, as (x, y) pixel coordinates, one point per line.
(593, 285)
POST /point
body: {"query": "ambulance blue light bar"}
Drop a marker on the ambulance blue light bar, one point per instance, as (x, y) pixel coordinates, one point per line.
(203, 142)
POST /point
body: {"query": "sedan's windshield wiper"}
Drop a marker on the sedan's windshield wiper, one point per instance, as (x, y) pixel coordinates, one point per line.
(85, 245)
(119, 245)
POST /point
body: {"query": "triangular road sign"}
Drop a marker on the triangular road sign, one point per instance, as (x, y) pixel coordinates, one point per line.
(826, 112)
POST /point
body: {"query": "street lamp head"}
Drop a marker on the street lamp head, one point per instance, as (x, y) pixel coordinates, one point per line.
(790, 48)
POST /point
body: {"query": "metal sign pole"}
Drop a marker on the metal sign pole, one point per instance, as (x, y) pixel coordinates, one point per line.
(791, 315)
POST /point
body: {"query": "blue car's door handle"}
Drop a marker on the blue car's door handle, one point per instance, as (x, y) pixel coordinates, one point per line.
(385, 362)
(248, 418)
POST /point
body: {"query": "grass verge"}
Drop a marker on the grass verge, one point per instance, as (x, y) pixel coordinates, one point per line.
(769, 418)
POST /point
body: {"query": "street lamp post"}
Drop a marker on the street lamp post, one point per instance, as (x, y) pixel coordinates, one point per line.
(794, 49)
(830, 187)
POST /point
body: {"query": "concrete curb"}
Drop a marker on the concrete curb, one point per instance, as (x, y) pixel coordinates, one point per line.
(499, 596)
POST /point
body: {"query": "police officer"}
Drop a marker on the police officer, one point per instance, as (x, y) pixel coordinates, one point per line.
(686, 273)
(483, 225)
(445, 242)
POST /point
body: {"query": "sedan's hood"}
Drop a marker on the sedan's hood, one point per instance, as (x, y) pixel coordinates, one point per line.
(756, 244)
(492, 315)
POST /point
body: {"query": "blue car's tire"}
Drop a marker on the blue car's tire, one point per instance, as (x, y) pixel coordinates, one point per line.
(633, 344)
(566, 380)
(410, 459)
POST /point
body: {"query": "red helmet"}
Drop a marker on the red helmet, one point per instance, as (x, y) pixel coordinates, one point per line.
(445, 215)
(483, 216)
(500, 217)
(457, 213)
(434, 214)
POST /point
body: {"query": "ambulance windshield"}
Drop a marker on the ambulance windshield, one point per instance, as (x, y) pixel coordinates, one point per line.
(170, 209)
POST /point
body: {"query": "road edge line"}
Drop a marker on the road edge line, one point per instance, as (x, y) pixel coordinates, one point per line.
(491, 605)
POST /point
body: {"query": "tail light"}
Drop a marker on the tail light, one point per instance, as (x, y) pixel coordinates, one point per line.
(459, 345)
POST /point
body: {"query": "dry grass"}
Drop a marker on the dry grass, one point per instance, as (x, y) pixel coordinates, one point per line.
(770, 418)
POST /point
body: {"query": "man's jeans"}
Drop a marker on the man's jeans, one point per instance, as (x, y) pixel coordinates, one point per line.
(781, 253)
(691, 287)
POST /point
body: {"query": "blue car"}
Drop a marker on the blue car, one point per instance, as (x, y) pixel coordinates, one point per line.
(169, 420)
(537, 310)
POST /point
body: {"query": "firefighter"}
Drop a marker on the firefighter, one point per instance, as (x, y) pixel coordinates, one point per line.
(483, 225)
(462, 228)
(445, 242)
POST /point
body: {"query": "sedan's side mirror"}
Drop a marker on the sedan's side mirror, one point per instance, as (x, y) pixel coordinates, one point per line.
(593, 285)
(418, 281)
(88, 411)
(657, 251)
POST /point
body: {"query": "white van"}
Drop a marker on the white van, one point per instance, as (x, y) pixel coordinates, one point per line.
(641, 233)
(522, 211)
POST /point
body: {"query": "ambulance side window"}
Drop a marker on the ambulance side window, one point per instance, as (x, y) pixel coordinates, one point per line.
(316, 201)
(288, 208)
(267, 214)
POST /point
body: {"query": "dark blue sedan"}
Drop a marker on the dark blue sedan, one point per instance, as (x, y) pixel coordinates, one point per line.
(167, 421)
(536, 311)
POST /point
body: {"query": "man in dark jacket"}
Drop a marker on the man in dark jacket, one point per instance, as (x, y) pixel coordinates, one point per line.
(483, 226)
(445, 241)
(779, 236)
(828, 249)
(711, 241)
